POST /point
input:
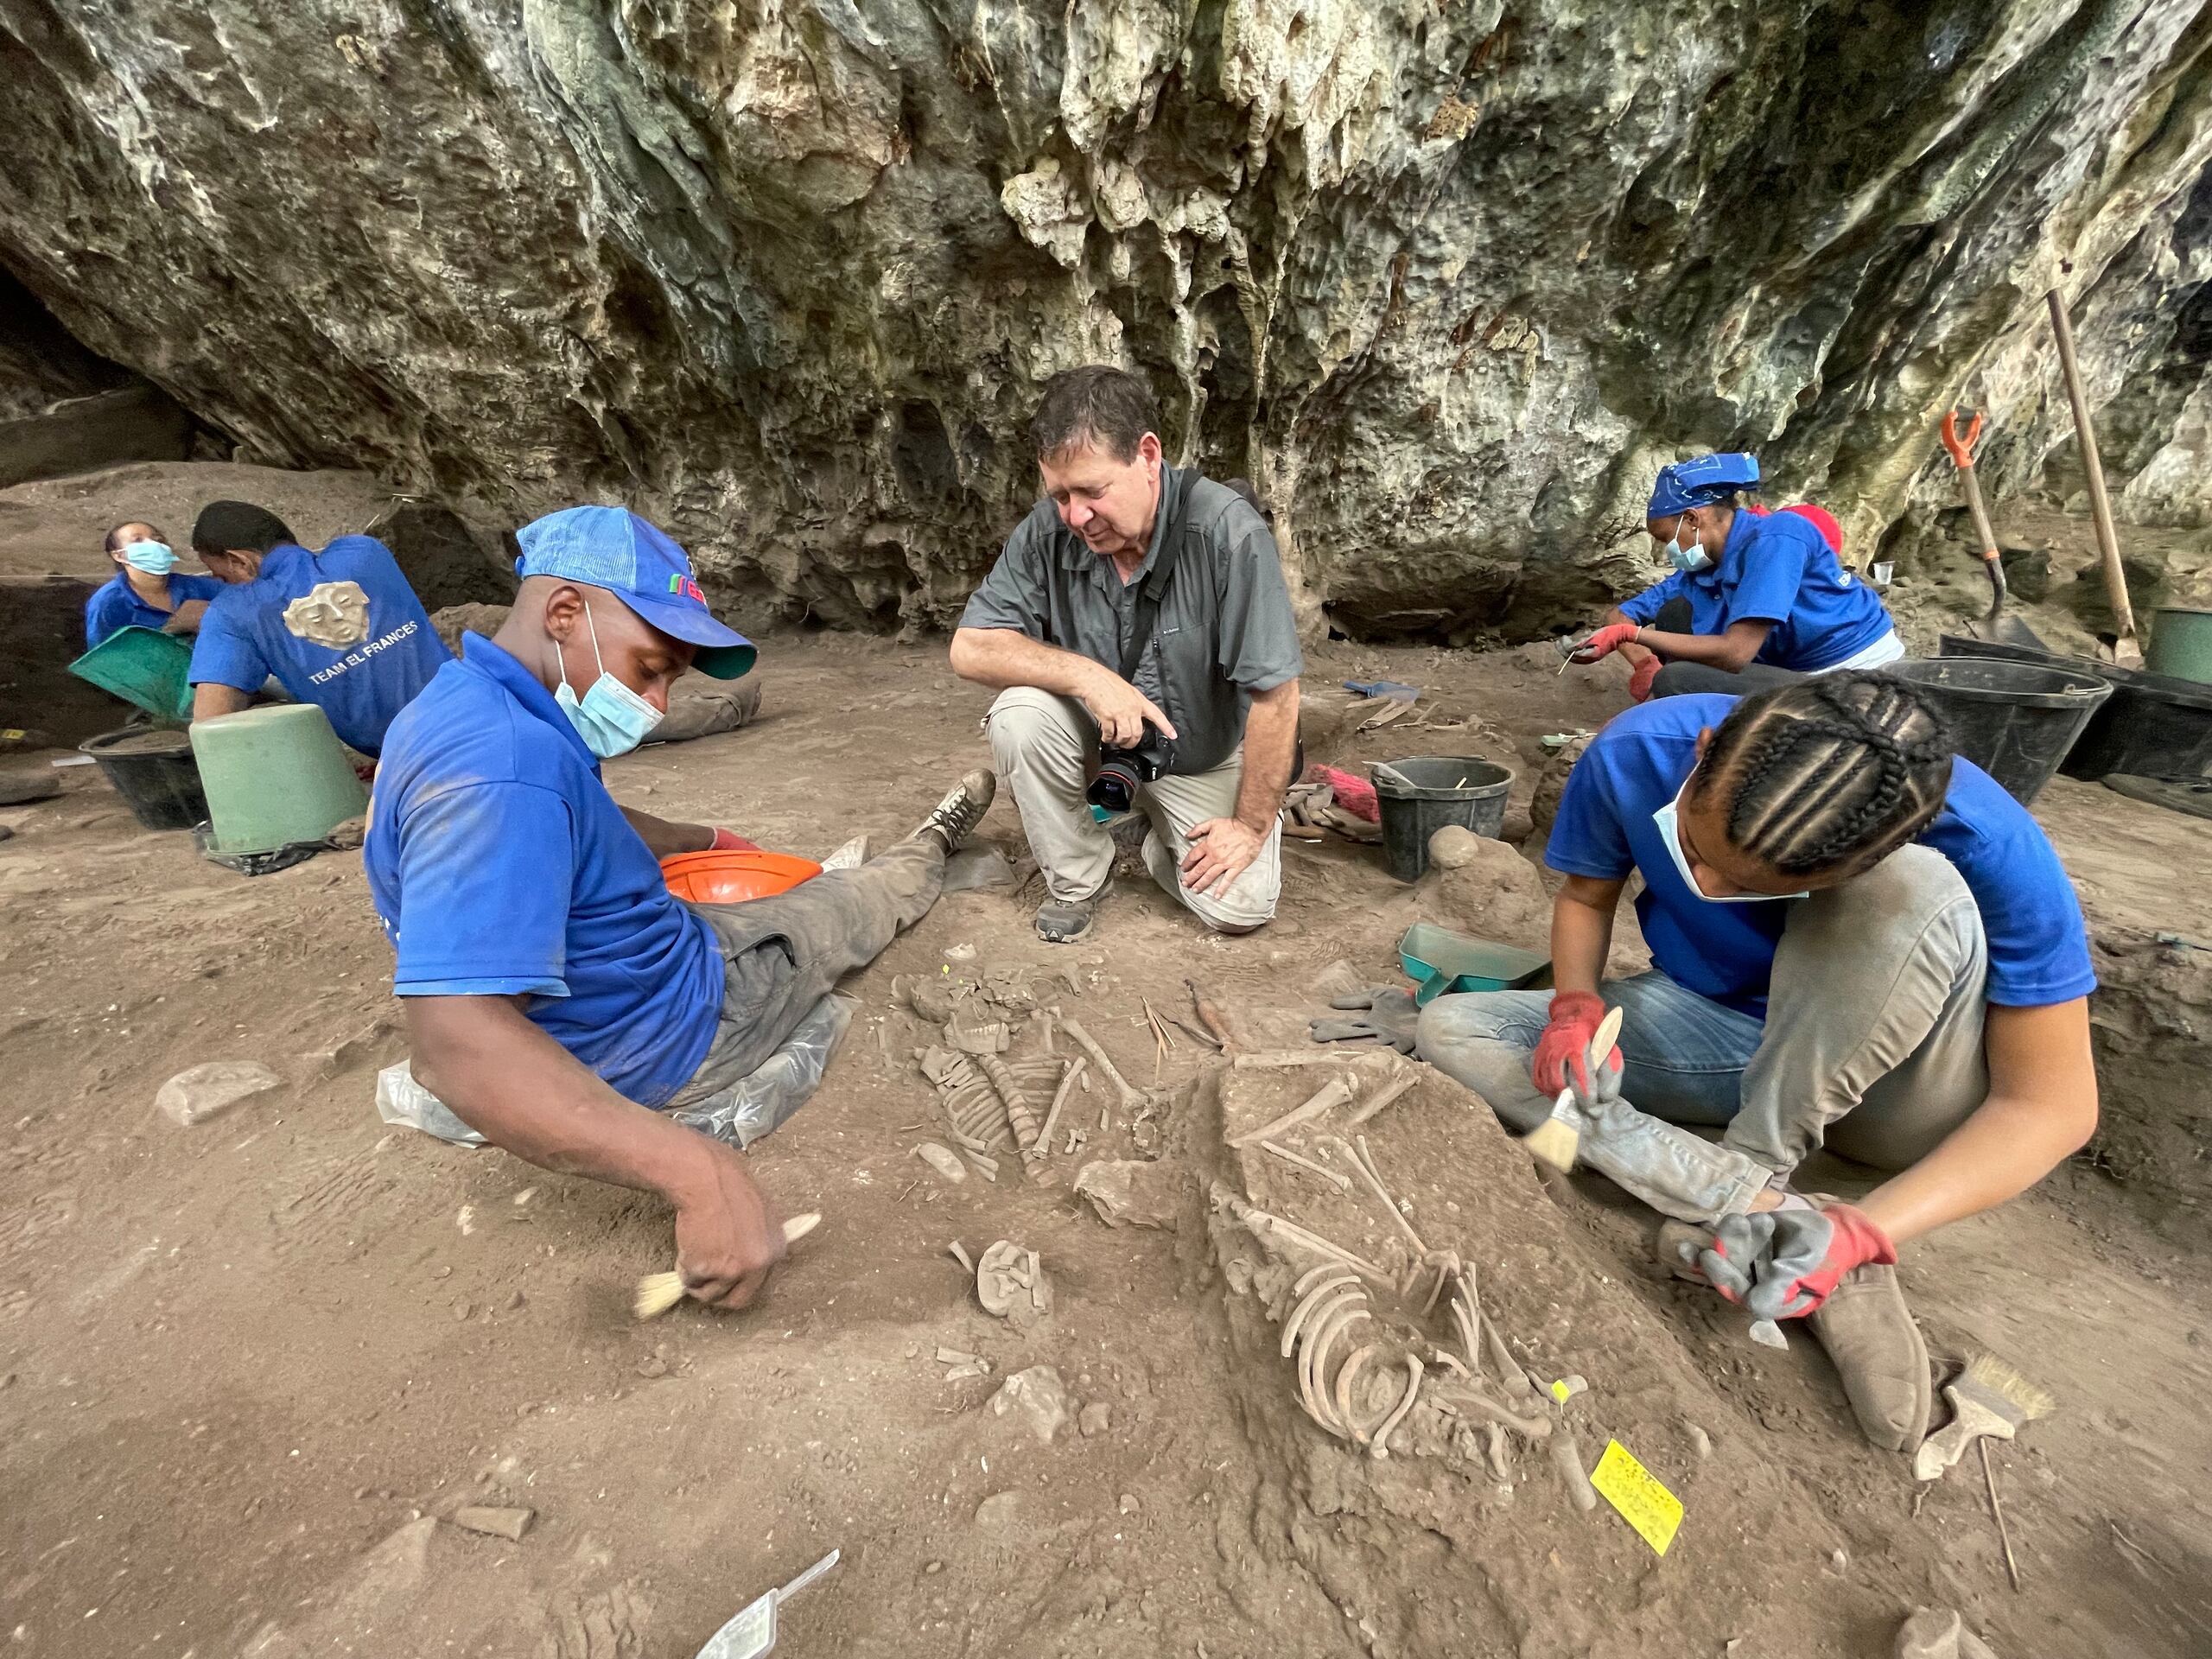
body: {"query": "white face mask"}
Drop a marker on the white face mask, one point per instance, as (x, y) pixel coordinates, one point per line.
(1668, 818)
(1692, 557)
(610, 717)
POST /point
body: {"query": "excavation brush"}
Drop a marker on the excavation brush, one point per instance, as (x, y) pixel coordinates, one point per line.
(658, 1292)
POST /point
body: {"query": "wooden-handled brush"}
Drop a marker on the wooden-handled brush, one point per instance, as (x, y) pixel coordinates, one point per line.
(1556, 1141)
(658, 1292)
(1990, 1399)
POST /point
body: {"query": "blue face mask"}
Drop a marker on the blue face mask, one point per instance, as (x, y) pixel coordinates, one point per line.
(154, 558)
(1691, 557)
(1668, 818)
(610, 717)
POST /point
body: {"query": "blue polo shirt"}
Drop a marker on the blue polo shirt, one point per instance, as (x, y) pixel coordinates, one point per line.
(2038, 947)
(360, 684)
(1777, 569)
(499, 864)
(115, 604)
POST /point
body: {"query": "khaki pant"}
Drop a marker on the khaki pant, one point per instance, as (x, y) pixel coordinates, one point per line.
(1871, 1046)
(1047, 750)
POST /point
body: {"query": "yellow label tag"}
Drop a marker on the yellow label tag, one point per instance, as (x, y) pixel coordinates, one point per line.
(13, 734)
(1561, 1393)
(1653, 1510)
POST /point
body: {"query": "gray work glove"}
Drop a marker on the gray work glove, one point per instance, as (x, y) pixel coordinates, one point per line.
(1758, 1260)
(1382, 1014)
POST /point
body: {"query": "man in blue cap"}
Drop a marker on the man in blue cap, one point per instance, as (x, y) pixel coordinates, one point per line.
(1755, 599)
(559, 1000)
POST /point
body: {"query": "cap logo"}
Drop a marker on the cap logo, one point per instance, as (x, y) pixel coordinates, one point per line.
(682, 584)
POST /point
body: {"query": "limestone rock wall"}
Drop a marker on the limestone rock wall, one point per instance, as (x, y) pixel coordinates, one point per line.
(1447, 278)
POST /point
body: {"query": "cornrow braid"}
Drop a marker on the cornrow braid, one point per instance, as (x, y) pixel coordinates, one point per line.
(1836, 770)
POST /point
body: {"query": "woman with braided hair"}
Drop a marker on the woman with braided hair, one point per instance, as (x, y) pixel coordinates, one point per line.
(1755, 599)
(1857, 941)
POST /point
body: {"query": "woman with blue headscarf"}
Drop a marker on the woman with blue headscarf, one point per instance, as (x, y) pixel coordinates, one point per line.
(1755, 599)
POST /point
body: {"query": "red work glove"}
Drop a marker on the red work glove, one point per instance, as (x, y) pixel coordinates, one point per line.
(1607, 640)
(1639, 683)
(1762, 1260)
(1565, 1046)
(728, 841)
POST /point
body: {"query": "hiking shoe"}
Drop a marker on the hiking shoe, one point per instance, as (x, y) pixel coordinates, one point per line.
(1869, 1333)
(1067, 921)
(957, 815)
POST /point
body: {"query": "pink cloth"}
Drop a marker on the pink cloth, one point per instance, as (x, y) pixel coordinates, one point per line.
(1355, 795)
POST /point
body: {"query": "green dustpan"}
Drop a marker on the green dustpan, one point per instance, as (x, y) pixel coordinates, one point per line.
(1440, 961)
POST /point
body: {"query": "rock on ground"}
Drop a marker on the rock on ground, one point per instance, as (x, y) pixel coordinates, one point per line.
(206, 1090)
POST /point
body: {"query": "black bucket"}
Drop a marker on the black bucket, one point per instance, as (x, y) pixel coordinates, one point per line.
(1420, 796)
(2015, 720)
(152, 768)
(2152, 726)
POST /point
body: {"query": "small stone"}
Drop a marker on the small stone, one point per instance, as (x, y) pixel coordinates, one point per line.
(1454, 847)
(1000, 1513)
(1133, 1192)
(1701, 1442)
(943, 1159)
(521, 1200)
(1128, 1503)
(652, 1365)
(203, 1091)
(1095, 1419)
(1838, 1560)
(514, 1300)
(509, 1525)
(930, 1569)
(960, 953)
(462, 1310)
(1038, 1398)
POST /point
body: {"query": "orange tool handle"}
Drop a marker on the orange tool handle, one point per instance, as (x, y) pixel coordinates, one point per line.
(1961, 449)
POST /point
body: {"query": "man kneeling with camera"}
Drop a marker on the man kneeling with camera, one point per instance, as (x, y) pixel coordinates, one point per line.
(1140, 631)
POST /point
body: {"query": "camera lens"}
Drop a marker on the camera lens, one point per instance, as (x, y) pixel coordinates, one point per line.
(1115, 788)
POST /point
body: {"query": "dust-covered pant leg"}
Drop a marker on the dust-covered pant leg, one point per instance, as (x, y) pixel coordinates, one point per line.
(1873, 1043)
(1176, 805)
(783, 954)
(1682, 1058)
(1045, 748)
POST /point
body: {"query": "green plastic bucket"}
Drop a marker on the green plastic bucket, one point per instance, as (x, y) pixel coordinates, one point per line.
(1439, 960)
(274, 776)
(144, 667)
(2181, 645)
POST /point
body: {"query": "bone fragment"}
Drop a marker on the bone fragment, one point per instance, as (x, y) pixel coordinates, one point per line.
(1059, 1099)
(1275, 1058)
(1129, 1097)
(1335, 1092)
(961, 1255)
(1333, 1277)
(1345, 1373)
(1375, 1183)
(1389, 1093)
(1337, 1317)
(1291, 1233)
(1379, 1443)
(1567, 1457)
(1018, 1111)
(1335, 1179)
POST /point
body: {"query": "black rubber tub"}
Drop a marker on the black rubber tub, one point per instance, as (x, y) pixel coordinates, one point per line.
(2152, 726)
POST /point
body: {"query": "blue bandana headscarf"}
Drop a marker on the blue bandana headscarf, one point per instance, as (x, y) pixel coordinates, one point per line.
(1694, 483)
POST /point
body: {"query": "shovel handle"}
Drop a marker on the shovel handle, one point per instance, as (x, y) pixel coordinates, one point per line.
(1961, 449)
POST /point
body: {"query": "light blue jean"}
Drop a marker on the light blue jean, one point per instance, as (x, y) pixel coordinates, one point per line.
(1873, 1044)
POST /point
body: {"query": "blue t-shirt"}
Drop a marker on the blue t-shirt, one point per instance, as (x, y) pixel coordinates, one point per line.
(499, 864)
(115, 604)
(2038, 949)
(360, 683)
(1777, 569)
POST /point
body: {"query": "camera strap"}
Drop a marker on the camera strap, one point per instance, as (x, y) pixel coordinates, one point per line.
(1146, 610)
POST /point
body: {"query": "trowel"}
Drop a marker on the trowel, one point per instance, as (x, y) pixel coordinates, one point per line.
(1995, 628)
(752, 1632)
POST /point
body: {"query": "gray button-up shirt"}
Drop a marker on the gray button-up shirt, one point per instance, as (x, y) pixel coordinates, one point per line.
(1224, 630)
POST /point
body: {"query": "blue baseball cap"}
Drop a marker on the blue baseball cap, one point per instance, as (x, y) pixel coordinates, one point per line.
(1694, 483)
(612, 548)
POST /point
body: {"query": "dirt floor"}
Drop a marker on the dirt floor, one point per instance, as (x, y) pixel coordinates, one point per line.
(250, 1369)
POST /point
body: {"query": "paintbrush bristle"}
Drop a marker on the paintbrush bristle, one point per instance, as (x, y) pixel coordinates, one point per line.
(2026, 1400)
(1554, 1142)
(657, 1293)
